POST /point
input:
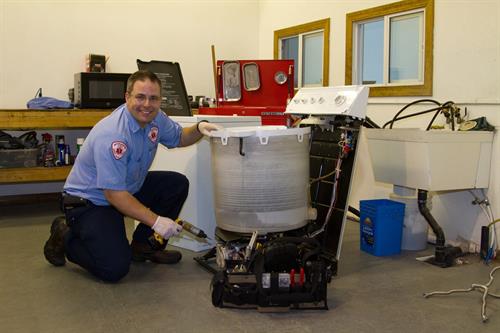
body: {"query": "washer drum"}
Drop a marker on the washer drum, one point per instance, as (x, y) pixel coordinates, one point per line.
(260, 178)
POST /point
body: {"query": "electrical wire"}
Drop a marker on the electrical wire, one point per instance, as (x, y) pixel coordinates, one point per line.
(481, 202)
(485, 206)
(474, 286)
(491, 253)
(333, 199)
(493, 222)
(344, 147)
(312, 181)
(295, 121)
(317, 187)
(493, 229)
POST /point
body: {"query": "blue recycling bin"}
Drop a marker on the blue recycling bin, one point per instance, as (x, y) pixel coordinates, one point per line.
(381, 226)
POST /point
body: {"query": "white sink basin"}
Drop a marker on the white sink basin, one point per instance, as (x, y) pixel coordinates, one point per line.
(431, 160)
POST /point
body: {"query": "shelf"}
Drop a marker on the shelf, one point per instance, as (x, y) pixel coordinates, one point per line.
(30, 175)
(53, 119)
(23, 119)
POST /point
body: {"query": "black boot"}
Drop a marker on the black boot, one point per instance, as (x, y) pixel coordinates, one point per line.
(154, 250)
(54, 246)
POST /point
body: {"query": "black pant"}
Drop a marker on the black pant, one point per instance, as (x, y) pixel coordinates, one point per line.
(97, 240)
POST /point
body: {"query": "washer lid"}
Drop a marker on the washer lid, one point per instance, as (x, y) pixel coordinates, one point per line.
(262, 132)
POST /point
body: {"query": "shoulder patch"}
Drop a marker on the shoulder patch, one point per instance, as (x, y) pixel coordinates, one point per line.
(153, 134)
(119, 148)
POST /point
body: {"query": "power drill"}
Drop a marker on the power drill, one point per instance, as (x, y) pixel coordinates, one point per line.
(156, 240)
(191, 228)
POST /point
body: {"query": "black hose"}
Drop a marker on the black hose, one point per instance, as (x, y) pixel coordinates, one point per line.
(422, 207)
(452, 120)
(443, 106)
(370, 123)
(413, 115)
(354, 211)
(433, 118)
(437, 109)
(413, 103)
(297, 240)
(241, 147)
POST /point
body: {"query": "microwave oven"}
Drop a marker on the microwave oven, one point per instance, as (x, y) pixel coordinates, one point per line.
(100, 90)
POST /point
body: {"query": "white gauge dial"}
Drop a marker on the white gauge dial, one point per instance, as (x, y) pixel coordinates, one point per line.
(280, 77)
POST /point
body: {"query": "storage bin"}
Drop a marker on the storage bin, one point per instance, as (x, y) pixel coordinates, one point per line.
(381, 226)
(18, 158)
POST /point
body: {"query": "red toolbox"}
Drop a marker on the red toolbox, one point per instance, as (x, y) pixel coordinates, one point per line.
(254, 88)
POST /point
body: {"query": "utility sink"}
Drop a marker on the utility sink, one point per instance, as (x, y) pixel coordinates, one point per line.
(436, 160)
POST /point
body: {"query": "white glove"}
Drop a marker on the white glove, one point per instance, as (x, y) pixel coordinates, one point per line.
(205, 127)
(166, 227)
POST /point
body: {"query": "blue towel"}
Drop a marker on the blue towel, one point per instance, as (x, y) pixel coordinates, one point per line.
(42, 103)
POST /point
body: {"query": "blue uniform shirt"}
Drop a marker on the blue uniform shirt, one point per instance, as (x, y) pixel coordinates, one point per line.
(117, 154)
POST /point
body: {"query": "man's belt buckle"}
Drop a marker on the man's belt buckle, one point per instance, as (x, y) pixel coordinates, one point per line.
(71, 201)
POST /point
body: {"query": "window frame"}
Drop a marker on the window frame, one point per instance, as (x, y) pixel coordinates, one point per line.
(383, 12)
(307, 28)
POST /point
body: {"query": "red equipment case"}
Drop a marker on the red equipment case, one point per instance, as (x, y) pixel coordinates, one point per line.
(254, 88)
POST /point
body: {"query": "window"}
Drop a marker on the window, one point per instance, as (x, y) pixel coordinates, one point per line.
(389, 48)
(308, 46)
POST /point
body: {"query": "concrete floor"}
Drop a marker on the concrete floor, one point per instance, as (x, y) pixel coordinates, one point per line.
(370, 294)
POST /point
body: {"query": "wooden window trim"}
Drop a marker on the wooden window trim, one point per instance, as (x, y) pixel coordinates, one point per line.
(304, 28)
(397, 7)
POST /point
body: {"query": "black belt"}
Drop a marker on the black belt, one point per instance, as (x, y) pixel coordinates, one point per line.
(69, 202)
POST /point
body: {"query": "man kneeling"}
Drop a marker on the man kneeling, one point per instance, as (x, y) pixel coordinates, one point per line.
(110, 180)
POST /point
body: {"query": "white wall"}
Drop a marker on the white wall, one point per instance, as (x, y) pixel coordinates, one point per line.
(43, 43)
(466, 71)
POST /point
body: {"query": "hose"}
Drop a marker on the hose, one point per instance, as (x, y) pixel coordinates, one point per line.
(354, 211)
(412, 115)
(438, 110)
(422, 207)
(443, 106)
(413, 103)
(370, 123)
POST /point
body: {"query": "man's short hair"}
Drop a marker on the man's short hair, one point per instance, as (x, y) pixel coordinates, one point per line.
(142, 75)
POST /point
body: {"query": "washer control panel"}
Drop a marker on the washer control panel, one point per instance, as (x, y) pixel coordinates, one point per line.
(342, 100)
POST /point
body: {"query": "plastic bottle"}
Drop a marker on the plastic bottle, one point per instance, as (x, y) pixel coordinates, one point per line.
(67, 155)
(48, 151)
(79, 144)
(61, 148)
